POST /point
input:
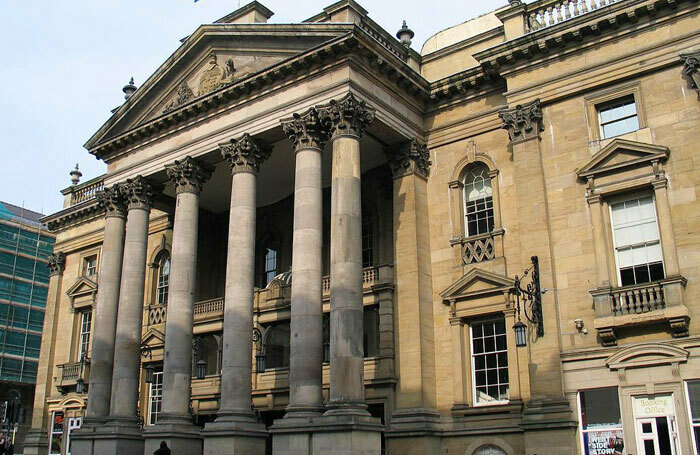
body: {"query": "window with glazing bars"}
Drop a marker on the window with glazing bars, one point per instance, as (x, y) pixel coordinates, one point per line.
(367, 241)
(163, 280)
(85, 329)
(489, 362)
(478, 200)
(618, 117)
(155, 397)
(269, 266)
(90, 265)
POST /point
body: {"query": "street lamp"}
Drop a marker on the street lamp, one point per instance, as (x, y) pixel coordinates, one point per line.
(260, 362)
(201, 369)
(150, 369)
(520, 337)
(79, 385)
(531, 303)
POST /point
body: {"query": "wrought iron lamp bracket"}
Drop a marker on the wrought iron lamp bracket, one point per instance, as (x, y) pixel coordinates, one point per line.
(531, 296)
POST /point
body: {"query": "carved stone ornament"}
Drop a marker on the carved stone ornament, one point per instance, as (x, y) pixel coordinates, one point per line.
(691, 68)
(112, 200)
(245, 154)
(183, 95)
(349, 116)
(411, 157)
(138, 193)
(187, 175)
(216, 76)
(306, 130)
(523, 122)
(56, 263)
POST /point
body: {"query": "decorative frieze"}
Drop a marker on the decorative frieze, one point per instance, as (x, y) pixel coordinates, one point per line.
(187, 175)
(245, 154)
(112, 201)
(56, 262)
(138, 193)
(306, 130)
(349, 116)
(411, 157)
(691, 68)
(523, 122)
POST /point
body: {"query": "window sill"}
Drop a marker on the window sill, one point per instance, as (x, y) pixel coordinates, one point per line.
(478, 410)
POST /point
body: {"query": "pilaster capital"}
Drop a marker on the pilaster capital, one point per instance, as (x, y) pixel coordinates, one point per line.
(245, 154)
(112, 200)
(306, 130)
(411, 157)
(187, 175)
(691, 67)
(56, 263)
(139, 193)
(523, 122)
(346, 117)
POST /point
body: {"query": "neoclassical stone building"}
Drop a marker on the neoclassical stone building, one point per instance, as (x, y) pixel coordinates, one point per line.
(314, 239)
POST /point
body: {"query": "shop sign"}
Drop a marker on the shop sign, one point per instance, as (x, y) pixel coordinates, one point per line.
(604, 442)
(661, 405)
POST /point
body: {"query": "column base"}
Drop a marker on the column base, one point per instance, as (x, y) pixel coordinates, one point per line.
(233, 436)
(116, 436)
(36, 442)
(347, 434)
(180, 437)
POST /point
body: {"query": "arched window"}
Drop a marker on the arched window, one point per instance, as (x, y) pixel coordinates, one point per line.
(478, 200)
(163, 280)
(367, 240)
(206, 348)
(277, 346)
(489, 449)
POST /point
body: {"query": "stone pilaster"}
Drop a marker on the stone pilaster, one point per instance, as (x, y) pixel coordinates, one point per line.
(236, 429)
(691, 68)
(175, 422)
(308, 137)
(37, 439)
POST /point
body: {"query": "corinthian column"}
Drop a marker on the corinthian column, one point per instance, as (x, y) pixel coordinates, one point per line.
(175, 422)
(306, 326)
(347, 120)
(235, 429)
(138, 193)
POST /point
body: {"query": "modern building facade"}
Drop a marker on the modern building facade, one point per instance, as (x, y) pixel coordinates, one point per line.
(25, 246)
(312, 238)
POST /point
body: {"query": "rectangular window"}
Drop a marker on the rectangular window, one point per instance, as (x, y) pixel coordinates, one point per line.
(270, 266)
(90, 265)
(367, 241)
(155, 397)
(85, 328)
(637, 244)
(693, 389)
(489, 362)
(618, 117)
(600, 424)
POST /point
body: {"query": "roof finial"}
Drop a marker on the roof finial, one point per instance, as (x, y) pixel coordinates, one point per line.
(129, 89)
(405, 34)
(75, 175)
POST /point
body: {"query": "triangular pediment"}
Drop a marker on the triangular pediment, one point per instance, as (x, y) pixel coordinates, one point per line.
(83, 286)
(621, 154)
(213, 57)
(647, 354)
(476, 283)
(152, 338)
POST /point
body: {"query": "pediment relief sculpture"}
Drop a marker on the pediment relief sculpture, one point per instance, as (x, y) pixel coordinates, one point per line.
(183, 95)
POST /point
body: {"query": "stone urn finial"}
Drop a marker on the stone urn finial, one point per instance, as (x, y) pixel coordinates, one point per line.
(75, 175)
(129, 89)
(405, 35)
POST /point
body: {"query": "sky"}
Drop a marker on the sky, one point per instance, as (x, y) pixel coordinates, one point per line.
(64, 64)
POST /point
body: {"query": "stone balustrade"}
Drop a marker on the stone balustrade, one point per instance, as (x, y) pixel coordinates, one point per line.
(84, 192)
(156, 314)
(70, 372)
(637, 299)
(545, 13)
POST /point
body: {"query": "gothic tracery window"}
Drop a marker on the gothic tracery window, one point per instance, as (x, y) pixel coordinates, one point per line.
(478, 200)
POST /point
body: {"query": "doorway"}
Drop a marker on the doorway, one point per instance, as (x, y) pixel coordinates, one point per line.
(655, 421)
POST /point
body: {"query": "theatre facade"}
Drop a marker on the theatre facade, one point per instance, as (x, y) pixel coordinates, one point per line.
(312, 238)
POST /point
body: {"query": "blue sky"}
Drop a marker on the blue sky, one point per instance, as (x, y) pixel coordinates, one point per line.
(65, 62)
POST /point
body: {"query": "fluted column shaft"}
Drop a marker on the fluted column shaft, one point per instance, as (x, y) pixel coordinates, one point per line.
(306, 324)
(347, 119)
(105, 316)
(245, 157)
(188, 178)
(127, 346)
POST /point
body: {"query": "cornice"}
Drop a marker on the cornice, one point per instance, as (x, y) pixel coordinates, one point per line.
(71, 216)
(355, 42)
(553, 41)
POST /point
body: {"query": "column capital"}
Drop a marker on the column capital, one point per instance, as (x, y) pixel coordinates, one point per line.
(245, 154)
(411, 157)
(347, 116)
(306, 130)
(691, 68)
(188, 175)
(138, 193)
(56, 263)
(523, 122)
(112, 200)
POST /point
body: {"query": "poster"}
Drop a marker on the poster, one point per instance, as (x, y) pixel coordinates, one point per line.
(604, 442)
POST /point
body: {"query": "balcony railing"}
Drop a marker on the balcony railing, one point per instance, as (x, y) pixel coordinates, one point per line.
(70, 372)
(156, 314)
(370, 276)
(637, 299)
(83, 192)
(209, 308)
(546, 13)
